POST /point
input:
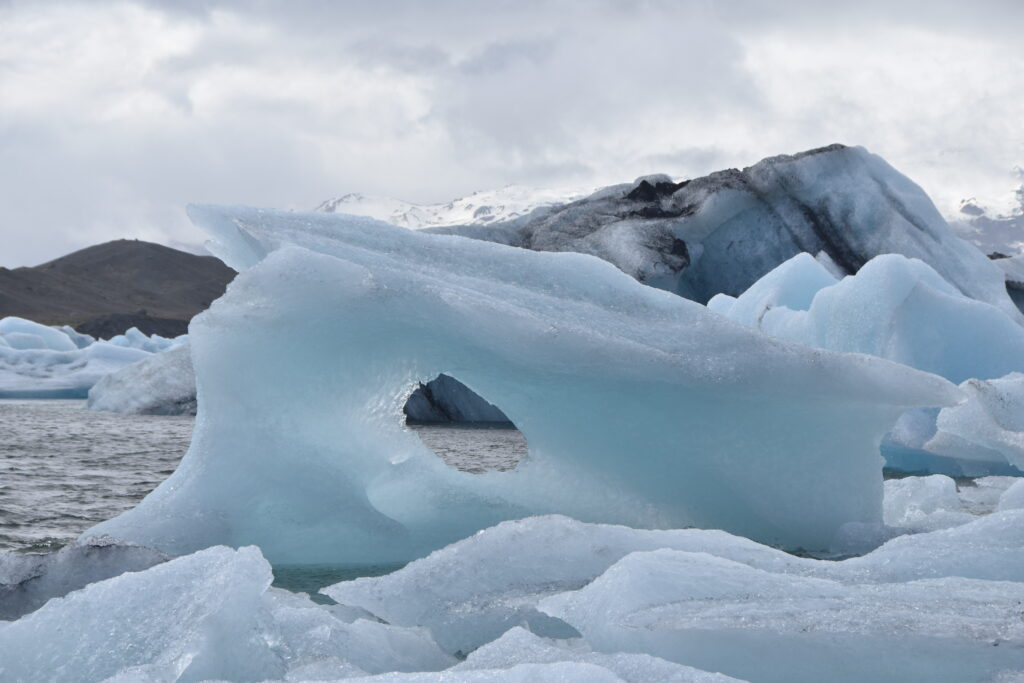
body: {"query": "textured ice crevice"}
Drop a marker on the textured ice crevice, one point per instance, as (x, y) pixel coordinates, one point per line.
(640, 407)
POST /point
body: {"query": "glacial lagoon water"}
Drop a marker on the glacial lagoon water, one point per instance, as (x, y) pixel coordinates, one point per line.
(64, 468)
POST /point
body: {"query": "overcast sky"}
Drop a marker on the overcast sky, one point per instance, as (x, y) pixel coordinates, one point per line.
(114, 115)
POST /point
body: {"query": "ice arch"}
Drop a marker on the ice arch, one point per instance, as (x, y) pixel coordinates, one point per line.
(640, 407)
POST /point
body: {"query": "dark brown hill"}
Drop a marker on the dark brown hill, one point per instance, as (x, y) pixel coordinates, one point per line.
(105, 289)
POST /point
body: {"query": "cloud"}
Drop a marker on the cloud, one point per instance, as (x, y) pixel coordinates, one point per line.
(114, 115)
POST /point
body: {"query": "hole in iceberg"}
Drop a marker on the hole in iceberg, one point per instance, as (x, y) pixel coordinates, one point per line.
(462, 428)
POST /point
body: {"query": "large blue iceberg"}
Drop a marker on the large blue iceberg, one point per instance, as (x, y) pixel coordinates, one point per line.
(639, 407)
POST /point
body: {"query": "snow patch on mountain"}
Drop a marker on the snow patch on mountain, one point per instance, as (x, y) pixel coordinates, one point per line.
(479, 208)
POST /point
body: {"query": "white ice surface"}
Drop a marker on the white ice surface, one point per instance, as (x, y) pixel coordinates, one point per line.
(639, 407)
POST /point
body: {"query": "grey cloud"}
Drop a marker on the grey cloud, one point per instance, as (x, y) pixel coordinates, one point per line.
(286, 104)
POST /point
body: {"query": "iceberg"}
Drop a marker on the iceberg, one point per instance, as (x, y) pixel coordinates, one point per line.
(446, 399)
(986, 428)
(722, 232)
(210, 615)
(640, 407)
(37, 361)
(162, 384)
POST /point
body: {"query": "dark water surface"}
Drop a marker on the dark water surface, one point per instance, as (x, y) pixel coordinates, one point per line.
(64, 468)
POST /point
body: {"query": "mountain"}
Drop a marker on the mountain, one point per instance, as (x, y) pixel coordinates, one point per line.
(1001, 234)
(105, 289)
(479, 208)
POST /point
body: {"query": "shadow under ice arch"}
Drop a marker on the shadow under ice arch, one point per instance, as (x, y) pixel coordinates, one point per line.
(639, 407)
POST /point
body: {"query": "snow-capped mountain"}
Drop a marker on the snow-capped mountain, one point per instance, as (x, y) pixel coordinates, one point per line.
(479, 208)
(1002, 233)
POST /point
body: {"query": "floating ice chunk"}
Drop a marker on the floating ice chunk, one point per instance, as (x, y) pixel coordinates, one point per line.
(987, 427)
(894, 307)
(640, 407)
(162, 384)
(720, 615)
(521, 646)
(923, 503)
(37, 361)
(473, 591)
(204, 616)
(27, 580)
(445, 399)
